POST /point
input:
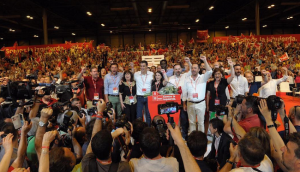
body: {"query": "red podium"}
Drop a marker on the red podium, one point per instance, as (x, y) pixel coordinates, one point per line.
(155, 100)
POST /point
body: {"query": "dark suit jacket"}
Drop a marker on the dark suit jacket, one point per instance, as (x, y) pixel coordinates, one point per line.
(223, 150)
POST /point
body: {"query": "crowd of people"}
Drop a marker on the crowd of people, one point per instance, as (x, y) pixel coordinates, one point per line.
(82, 109)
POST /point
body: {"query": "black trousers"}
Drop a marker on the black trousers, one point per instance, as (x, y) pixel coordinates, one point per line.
(130, 112)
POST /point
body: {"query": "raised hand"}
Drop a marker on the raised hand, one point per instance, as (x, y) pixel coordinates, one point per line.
(46, 113)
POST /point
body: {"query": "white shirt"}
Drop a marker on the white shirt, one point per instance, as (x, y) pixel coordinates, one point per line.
(143, 82)
(179, 81)
(270, 88)
(291, 80)
(239, 85)
(265, 166)
(199, 83)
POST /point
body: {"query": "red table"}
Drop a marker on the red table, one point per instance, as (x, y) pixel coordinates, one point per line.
(155, 100)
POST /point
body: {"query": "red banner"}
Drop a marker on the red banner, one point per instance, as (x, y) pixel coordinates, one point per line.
(45, 48)
(261, 38)
(284, 57)
(202, 35)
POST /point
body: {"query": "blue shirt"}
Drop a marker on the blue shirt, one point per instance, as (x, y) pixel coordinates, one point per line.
(253, 87)
(169, 72)
(111, 82)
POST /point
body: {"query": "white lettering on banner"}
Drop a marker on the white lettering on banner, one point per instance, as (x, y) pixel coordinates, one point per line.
(164, 98)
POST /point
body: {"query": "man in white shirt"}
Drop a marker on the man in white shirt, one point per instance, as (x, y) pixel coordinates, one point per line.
(194, 95)
(143, 80)
(178, 80)
(269, 84)
(239, 84)
(251, 155)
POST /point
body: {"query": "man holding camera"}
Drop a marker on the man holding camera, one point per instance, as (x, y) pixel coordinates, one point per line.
(93, 84)
(194, 95)
(178, 80)
(111, 88)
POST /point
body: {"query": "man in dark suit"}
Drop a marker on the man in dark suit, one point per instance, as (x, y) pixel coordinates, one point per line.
(221, 142)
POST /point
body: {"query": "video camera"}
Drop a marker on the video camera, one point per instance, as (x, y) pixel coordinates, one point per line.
(168, 108)
(221, 110)
(123, 122)
(67, 122)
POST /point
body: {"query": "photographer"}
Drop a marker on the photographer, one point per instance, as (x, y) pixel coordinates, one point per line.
(247, 117)
(289, 157)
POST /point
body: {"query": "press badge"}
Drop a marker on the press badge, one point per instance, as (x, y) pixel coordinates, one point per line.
(217, 101)
(115, 90)
(195, 95)
(131, 99)
(96, 96)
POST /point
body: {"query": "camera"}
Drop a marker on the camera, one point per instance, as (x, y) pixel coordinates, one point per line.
(274, 103)
(67, 122)
(168, 108)
(221, 110)
(92, 111)
(123, 122)
(160, 125)
(239, 99)
(108, 109)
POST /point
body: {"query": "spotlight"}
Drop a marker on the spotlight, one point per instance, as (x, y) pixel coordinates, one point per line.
(189, 28)
(272, 5)
(150, 22)
(56, 27)
(28, 17)
(36, 36)
(111, 31)
(1, 38)
(149, 10)
(226, 27)
(149, 30)
(244, 19)
(102, 24)
(73, 34)
(264, 25)
(89, 13)
(197, 20)
(31, 18)
(212, 7)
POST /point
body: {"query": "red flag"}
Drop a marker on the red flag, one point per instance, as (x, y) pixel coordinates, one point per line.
(192, 41)
(181, 47)
(59, 64)
(149, 53)
(217, 58)
(284, 57)
(153, 51)
(242, 36)
(274, 54)
(69, 60)
(15, 45)
(38, 60)
(2, 49)
(180, 42)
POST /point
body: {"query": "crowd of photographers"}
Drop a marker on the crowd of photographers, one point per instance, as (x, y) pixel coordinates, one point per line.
(93, 115)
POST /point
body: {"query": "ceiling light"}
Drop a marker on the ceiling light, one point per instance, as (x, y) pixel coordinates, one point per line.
(189, 28)
(31, 18)
(13, 30)
(149, 30)
(226, 27)
(197, 20)
(212, 7)
(89, 13)
(28, 17)
(149, 10)
(73, 34)
(269, 7)
(244, 19)
(288, 18)
(264, 25)
(102, 24)
(56, 27)
(299, 25)
(1, 38)
(150, 22)
(36, 36)
(111, 31)
(272, 5)
(291, 17)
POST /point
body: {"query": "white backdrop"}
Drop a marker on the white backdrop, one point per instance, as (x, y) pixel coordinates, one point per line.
(153, 60)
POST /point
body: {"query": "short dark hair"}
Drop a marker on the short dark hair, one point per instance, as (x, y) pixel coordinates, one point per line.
(163, 61)
(218, 70)
(197, 143)
(144, 61)
(138, 127)
(252, 102)
(236, 65)
(58, 161)
(8, 127)
(150, 142)
(295, 138)
(131, 76)
(251, 150)
(218, 124)
(114, 64)
(101, 144)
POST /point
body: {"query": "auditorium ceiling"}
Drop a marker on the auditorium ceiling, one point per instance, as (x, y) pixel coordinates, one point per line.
(23, 18)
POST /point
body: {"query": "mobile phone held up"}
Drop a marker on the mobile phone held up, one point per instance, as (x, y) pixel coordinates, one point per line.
(18, 120)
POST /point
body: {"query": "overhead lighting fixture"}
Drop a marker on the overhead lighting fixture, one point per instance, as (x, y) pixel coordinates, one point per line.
(197, 20)
(212, 7)
(291, 17)
(272, 5)
(299, 25)
(1, 38)
(288, 18)
(56, 27)
(189, 28)
(31, 18)
(226, 27)
(264, 25)
(28, 17)
(149, 10)
(149, 30)
(102, 24)
(89, 13)
(244, 19)
(150, 22)
(73, 34)
(36, 36)
(111, 31)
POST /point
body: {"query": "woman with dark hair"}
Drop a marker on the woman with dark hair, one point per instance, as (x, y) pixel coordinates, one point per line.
(160, 80)
(127, 95)
(216, 89)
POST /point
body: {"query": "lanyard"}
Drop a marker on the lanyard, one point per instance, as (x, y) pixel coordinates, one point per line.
(145, 79)
(114, 79)
(177, 83)
(104, 162)
(95, 86)
(216, 89)
(130, 87)
(195, 88)
(157, 86)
